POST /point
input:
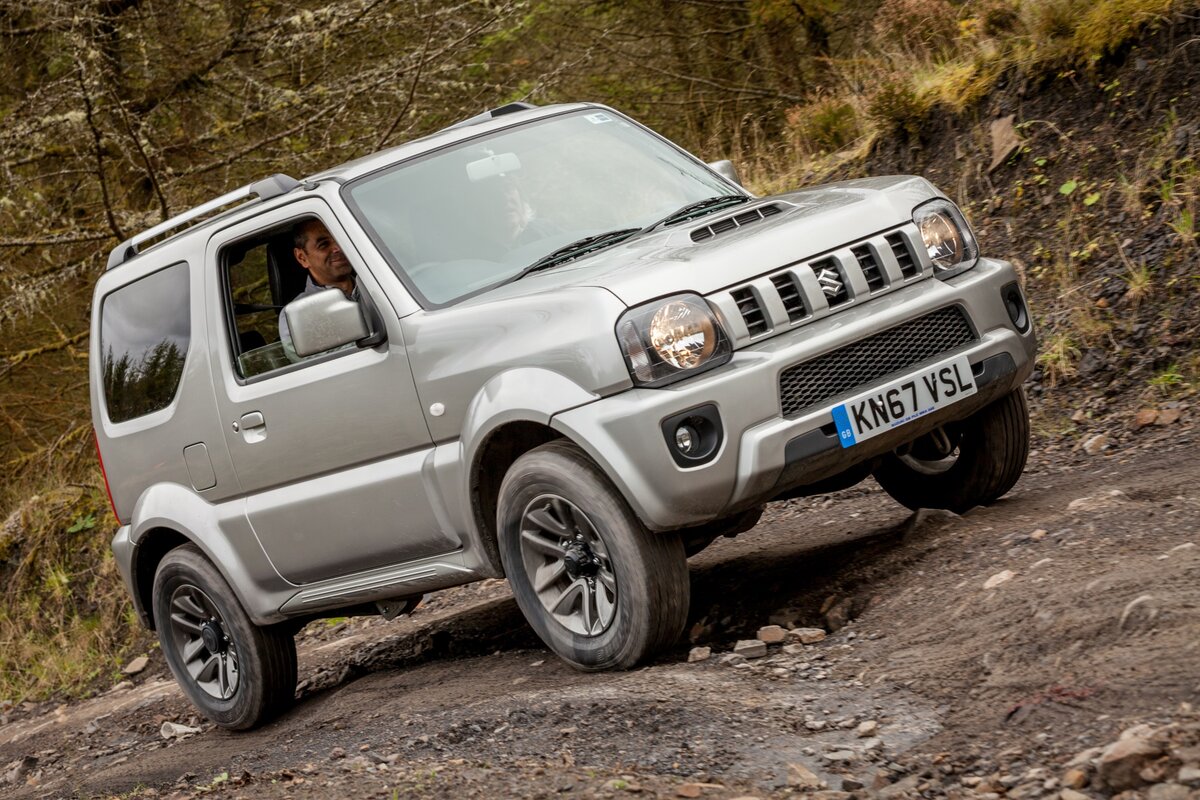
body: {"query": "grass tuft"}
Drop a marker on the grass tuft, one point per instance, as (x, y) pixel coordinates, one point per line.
(65, 621)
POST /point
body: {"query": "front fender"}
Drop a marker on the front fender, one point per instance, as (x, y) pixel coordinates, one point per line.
(529, 395)
(526, 394)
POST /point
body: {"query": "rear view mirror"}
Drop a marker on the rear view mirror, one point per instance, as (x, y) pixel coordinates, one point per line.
(322, 321)
(499, 164)
(726, 170)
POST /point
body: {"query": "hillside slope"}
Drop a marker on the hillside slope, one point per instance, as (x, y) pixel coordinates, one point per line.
(1093, 194)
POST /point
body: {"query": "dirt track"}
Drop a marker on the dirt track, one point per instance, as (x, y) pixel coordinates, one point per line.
(1096, 630)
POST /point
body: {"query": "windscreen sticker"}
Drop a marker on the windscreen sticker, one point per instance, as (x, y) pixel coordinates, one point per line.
(599, 118)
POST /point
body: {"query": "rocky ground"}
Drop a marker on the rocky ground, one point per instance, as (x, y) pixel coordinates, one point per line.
(1046, 647)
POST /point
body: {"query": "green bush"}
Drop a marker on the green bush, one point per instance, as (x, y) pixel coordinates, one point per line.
(827, 125)
(65, 620)
(896, 106)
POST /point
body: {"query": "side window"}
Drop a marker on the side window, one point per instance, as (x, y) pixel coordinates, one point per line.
(251, 295)
(145, 328)
(261, 275)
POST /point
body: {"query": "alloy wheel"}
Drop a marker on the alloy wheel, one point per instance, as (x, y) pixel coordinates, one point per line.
(202, 642)
(568, 565)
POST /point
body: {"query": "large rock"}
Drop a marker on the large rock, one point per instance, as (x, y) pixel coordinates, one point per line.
(1099, 502)
(801, 777)
(1005, 140)
(771, 634)
(999, 578)
(1122, 761)
(16, 771)
(838, 614)
(1144, 417)
(1168, 791)
(1168, 416)
(750, 648)
(1075, 778)
(173, 730)
(807, 635)
(137, 665)
(866, 730)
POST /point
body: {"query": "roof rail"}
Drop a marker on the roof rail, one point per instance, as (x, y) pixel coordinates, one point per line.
(490, 115)
(265, 189)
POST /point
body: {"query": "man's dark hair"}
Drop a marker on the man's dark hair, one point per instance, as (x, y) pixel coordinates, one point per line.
(299, 237)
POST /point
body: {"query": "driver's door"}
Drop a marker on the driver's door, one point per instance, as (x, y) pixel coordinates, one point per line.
(329, 449)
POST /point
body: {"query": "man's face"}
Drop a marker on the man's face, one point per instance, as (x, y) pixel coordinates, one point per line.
(322, 256)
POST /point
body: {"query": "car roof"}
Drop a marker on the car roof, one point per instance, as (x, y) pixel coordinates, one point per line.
(459, 132)
(270, 189)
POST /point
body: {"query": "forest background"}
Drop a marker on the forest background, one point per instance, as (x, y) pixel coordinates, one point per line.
(1067, 129)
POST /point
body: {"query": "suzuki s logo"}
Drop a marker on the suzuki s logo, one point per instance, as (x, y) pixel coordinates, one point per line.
(831, 282)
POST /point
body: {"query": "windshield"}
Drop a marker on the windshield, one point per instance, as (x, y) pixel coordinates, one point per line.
(474, 215)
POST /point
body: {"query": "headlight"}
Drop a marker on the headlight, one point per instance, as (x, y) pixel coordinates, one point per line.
(947, 237)
(670, 339)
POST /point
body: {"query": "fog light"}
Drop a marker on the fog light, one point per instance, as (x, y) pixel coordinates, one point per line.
(1014, 303)
(686, 439)
(693, 437)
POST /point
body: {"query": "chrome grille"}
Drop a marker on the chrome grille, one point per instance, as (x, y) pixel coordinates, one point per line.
(806, 291)
(789, 293)
(904, 258)
(737, 221)
(751, 311)
(870, 267)
(867, 360)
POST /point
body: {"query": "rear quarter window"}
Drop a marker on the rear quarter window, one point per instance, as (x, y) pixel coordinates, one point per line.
(145, 328)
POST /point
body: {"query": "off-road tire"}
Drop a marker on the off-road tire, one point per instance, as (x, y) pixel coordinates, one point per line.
(993, 444)
(266, 656)
(650, 568)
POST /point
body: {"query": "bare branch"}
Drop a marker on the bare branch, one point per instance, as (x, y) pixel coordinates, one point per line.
(412, 87)
(99, 153)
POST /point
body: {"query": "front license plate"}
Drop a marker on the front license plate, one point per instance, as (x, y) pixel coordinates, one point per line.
(888, 407)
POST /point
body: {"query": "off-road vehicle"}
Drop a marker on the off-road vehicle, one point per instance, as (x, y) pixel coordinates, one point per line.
(572, 355)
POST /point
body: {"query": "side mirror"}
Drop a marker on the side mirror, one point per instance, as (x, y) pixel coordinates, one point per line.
(324, 320)
(726, 170)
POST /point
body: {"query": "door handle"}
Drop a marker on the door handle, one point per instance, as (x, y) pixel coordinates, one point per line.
(254, 419)
(253, 426)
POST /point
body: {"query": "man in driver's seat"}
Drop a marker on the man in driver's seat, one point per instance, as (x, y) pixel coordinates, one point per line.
(328, 268)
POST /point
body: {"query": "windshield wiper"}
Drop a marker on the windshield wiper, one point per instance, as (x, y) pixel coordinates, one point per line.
(706, 205)
(574, 250)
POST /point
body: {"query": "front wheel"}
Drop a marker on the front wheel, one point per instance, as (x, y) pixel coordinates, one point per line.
(599, 589)
(959, 466)
(236, 673)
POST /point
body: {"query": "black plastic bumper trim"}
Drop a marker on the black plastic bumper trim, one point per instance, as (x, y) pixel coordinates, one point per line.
(825, 438)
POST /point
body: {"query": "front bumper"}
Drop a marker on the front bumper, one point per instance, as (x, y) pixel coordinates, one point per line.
(763, 453)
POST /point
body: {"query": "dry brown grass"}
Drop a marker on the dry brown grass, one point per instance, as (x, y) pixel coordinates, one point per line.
(65, 621)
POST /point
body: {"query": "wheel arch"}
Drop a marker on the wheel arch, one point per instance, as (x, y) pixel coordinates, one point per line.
(152, 548)
(508, 416)
(496, 453)
(169, 515)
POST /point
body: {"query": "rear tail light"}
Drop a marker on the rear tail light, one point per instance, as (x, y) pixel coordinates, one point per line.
(108, 491)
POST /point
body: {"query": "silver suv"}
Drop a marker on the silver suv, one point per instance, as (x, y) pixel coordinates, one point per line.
(545, 344)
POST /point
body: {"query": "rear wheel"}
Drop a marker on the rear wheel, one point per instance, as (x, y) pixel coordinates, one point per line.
(236, 673)
(598, 588)
(959, 466)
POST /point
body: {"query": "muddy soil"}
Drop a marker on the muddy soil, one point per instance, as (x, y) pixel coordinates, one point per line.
(965, 656)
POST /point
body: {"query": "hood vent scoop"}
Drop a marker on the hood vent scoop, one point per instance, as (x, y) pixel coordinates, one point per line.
(737, 221)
